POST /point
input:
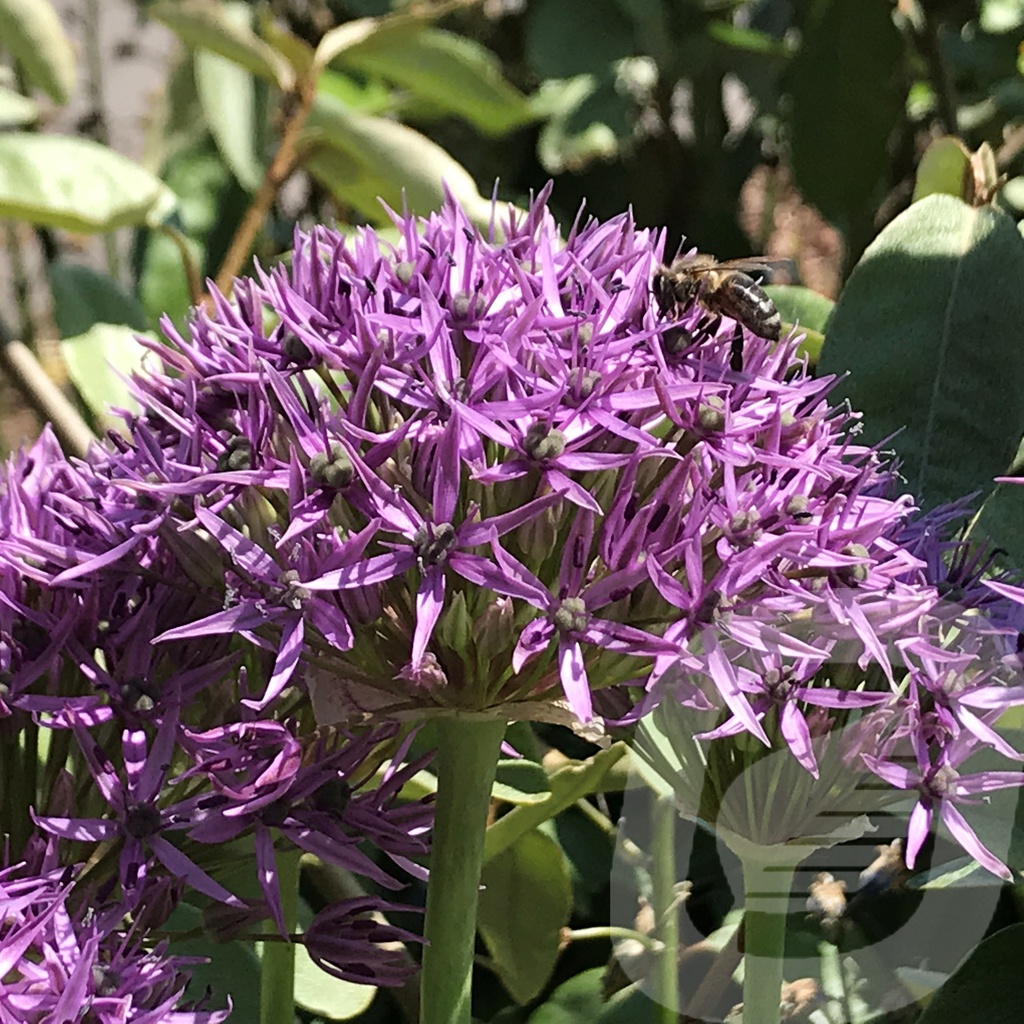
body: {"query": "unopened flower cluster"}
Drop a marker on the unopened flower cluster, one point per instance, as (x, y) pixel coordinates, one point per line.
(466, 470)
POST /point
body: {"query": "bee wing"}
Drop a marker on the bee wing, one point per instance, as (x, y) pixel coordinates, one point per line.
(762, 268)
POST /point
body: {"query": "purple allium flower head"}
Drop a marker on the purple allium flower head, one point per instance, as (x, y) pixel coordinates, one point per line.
(58, 959)
(365, 450)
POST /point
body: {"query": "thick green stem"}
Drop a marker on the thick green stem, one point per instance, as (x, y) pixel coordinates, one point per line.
(766, 889)
(277, 979)
(467, 757)
(666, 911)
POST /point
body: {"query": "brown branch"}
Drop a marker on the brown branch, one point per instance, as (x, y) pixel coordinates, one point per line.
(297, 104)
(20, 364)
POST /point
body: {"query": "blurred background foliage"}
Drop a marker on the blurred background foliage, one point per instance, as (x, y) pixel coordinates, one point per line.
(148, 147)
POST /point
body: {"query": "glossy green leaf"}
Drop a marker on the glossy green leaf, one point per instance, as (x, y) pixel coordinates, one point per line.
(65, 182)
(96, 358)
(748, 39)
(847, 94)
(367, 97)
(328, 997)
(360, 157)
(15, 109)
(804, 311)
(205, 25)
(32, 33)
(802, 306)
(568, 785)
(227, 94)
(988, 986)
(930, 328)
(456, 74)
(232, 970)
(83, 297)
(945, 168)
(525, 902)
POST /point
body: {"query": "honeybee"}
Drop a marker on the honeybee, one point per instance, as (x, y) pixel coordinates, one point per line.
(720, 289)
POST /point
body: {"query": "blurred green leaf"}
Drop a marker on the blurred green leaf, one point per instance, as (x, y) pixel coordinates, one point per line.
(570, 141)
(360, 157)
(988, 985)
(846, 98)
(748, 39)
(77, 184)
(232, 968)
(525, 903)
(16, 109)
(945, 169)
(338, 40)
(328, 997)
(566, 39)
(372, 97)
(206, 25)
(200, 178)
(457, 74)
(83, 297)
(568, 785)
(95, 358)
(32, 33)
(227, 93)
(930, 328)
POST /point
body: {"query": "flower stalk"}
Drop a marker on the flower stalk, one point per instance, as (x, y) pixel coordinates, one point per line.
(766, 889)
(467, 759)
(666, 906)
(277, 977)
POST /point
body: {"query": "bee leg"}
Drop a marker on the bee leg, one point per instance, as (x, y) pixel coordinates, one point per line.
(676, 339)
(736, 350)
(709, 327)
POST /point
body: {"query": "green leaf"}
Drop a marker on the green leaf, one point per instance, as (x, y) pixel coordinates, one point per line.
(521, 782)
(340, 39)
(846, 98)
(368, 98)
(328, 997)
(570, 140)
(945, 168)
(525, 903)
(568, 785)
(805, 311)
(227, 93)
(77, 184)
(988, 985)
(16, 109)
(600, 34)
(206, 25)
(456, 74)
(32, 33)
(748, 39)
(579, 1001)
(94, 360)
(362, 157)
(930, 328)
(83, 297)
(799, 305)
(233, 969)
(1001, 521)
(576, 1001)
(201, 180)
